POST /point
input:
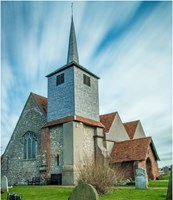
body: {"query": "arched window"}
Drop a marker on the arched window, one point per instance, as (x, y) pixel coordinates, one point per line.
(30, 145)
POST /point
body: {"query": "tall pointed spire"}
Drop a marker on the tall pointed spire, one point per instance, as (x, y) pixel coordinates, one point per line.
(72, 47)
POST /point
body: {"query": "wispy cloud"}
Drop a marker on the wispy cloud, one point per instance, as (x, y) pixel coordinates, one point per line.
(128, 44)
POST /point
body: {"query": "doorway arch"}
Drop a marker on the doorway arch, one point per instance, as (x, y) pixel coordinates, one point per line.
(149, 168)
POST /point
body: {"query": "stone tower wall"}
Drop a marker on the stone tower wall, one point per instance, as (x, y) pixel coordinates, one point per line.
(78, 148)
(83, 137)
(56, 147)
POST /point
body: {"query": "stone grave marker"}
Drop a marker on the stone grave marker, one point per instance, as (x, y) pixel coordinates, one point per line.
(166, 170)
(84, 191)
(14, 196)
(141, 181)
(4, 184)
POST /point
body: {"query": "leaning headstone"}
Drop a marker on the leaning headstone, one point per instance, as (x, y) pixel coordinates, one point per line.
(4, 184)
(84, 191)
(141, 181)
(169, 191)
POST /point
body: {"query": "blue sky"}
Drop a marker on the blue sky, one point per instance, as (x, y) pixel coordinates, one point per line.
(127, 44)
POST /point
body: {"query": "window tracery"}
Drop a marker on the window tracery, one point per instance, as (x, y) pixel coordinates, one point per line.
(30, 145)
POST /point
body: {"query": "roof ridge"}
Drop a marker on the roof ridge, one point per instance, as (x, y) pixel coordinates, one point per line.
(148, 137)
(41, 101)
(70, 65)
(131, 128)
(109, 113)
(38, 95)
(107, 120)
(132, 121)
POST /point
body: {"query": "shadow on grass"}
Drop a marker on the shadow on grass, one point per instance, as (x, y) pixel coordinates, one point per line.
(163, 196)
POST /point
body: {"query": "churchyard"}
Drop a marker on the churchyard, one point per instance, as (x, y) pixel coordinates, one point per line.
(157, 190)
(139, 188)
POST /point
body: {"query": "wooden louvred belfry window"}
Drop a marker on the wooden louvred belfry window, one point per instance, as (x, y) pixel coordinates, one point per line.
(86, 80)
(60, 79)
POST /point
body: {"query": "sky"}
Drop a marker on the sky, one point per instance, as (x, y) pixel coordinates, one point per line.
(127, 44)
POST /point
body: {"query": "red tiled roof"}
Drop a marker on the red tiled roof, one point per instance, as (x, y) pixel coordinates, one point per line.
(74, 118)
(131, 128)
(130, 150)
(58, 121)
(107, 120)
(89, 121)
(41, 101)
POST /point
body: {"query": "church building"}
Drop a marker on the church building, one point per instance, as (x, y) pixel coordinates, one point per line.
(56, 134)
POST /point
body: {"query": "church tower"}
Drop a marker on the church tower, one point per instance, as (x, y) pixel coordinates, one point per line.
(72, 116)
(72, 89)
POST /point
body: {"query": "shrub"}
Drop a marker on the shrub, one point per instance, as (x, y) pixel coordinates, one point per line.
(101, 176)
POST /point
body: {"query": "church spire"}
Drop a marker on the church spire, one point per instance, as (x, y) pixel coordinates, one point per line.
(72, 47)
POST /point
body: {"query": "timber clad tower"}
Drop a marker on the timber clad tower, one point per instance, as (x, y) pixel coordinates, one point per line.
(72, 89)
(55, 135)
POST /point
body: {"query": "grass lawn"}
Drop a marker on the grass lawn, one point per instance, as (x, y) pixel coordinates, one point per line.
(156, 191)
(164, 177)
(40, 192)
(158, 183)
(136, 194)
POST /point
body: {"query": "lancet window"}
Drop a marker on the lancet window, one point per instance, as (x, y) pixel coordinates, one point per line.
(30, 145)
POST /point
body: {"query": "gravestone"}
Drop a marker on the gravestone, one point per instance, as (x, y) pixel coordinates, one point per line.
(141, 181)
(14, 196)
(4, 184)
(166, 170)
(84, 191)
